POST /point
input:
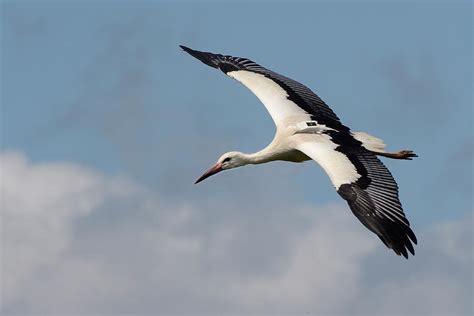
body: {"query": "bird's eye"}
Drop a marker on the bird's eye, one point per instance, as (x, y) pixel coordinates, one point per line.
(226, 159)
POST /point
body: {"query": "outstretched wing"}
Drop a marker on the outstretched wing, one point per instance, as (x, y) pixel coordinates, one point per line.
(368, 187)
(281, 96)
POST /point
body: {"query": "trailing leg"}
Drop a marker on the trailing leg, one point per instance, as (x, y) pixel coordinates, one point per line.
(402, 154)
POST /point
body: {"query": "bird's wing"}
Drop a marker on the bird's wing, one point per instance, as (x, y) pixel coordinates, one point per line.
(368, 187)
(281, 96)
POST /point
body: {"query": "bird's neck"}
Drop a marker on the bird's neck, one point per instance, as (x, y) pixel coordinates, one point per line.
(259, 157)
(270, 153)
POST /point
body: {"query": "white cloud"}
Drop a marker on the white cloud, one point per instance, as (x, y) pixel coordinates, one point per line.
(75, 241)
(39, 206)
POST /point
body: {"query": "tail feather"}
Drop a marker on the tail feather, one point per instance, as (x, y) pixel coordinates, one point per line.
(370, 142)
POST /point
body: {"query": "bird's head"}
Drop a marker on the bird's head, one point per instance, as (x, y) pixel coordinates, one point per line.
(232, 159)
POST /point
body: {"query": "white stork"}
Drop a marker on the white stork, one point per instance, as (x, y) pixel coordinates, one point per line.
(306, 128)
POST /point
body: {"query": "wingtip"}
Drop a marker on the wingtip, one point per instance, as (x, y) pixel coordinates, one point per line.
(402, 251)
(190, 51)
(209, 59)
(186, 49)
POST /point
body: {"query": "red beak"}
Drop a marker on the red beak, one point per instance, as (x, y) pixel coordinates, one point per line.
(212, 171)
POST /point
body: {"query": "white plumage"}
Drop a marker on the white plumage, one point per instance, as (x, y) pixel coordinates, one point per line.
(370, 142)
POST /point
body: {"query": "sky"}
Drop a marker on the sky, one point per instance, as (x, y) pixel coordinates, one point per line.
(105, 124)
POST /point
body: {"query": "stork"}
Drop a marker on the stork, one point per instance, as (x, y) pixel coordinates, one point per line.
(307, 129)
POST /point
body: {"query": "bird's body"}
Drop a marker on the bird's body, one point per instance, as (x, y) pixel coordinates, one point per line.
(307, 129)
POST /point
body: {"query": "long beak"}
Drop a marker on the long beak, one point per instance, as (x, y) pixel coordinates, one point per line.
(212, 171)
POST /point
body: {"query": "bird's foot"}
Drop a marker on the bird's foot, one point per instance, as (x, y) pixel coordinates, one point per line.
(405, 154)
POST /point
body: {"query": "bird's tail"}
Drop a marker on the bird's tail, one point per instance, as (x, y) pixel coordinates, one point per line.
(370, 142)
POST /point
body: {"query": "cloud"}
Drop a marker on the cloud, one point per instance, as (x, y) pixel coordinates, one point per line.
(39, 206)
(76, 241)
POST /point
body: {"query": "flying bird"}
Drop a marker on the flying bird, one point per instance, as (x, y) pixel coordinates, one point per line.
(307, 129)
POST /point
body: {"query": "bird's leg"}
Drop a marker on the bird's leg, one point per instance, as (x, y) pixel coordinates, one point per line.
(402, 154)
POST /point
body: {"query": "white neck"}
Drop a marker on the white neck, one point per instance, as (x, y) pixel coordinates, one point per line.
(262, 156)
(272, 152)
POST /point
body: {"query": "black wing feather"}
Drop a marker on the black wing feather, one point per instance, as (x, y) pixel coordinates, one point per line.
(373, 199)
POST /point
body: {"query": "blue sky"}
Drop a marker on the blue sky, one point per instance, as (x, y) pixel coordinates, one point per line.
(105, 87)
